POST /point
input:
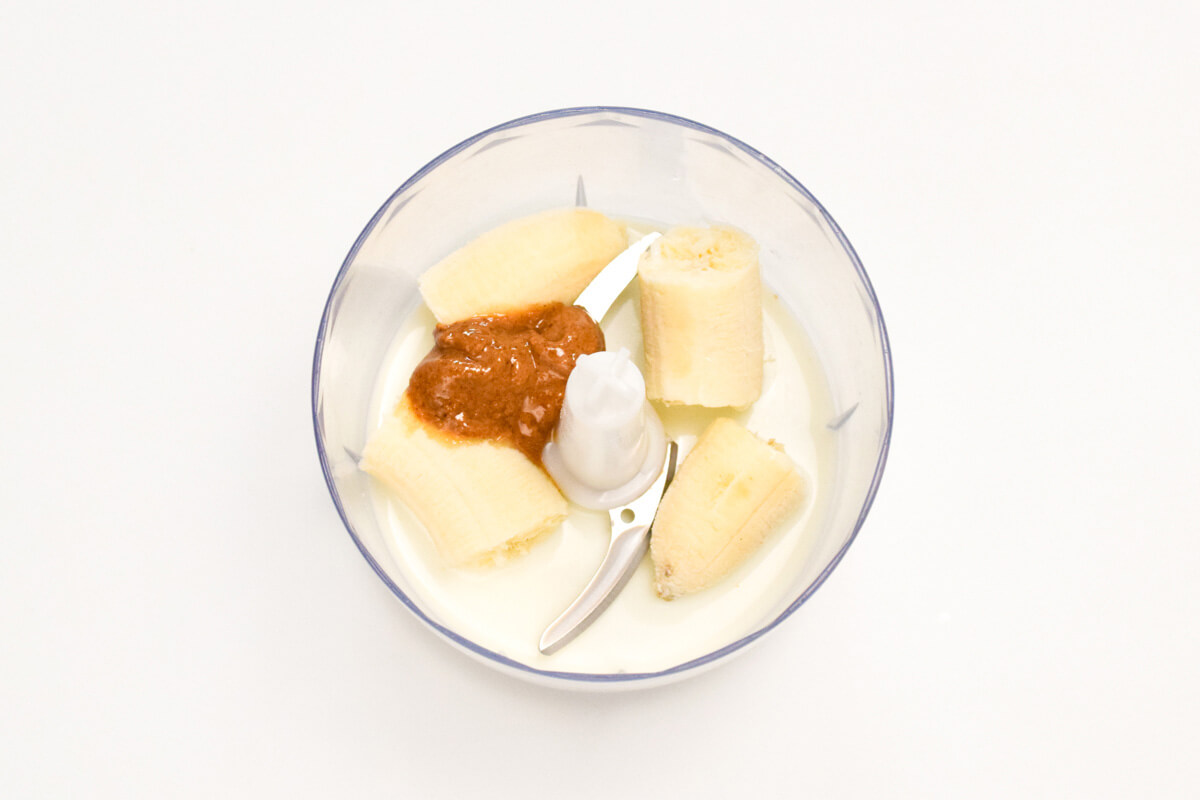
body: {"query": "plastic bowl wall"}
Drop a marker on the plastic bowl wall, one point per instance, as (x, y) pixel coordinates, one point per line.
(634, 164)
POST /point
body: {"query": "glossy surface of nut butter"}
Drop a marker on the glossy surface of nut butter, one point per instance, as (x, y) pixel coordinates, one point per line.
(502, 376)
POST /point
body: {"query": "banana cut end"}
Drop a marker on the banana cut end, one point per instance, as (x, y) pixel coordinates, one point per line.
(687, 250)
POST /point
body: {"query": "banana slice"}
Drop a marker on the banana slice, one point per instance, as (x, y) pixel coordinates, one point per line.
(702, 317)
(730, 492)
(480, 501)
(544, 258)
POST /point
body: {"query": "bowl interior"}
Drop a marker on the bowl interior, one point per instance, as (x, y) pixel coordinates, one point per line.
(635, 165)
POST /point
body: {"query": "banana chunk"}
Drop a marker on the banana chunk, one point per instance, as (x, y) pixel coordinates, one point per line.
(480, 501)
(543, 258)
(731, 491)
(702, 317)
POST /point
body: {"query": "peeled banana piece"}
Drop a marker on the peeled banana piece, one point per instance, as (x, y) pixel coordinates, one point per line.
(543, 258)
(480, 501)
(702, 320)
(730, 493)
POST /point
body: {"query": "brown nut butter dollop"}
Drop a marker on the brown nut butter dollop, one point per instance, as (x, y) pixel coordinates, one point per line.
(502, 376)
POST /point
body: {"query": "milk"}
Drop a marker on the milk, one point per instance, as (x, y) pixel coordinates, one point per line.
(506, 608)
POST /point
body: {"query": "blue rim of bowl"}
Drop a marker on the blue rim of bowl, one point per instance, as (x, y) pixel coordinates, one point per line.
(619, 677)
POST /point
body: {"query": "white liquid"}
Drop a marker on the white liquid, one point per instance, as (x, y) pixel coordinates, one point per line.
(506, 608)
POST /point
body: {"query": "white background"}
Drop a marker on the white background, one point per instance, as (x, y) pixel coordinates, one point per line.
(182, 613)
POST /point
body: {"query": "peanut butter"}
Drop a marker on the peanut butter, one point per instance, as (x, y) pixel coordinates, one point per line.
(502, 376)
